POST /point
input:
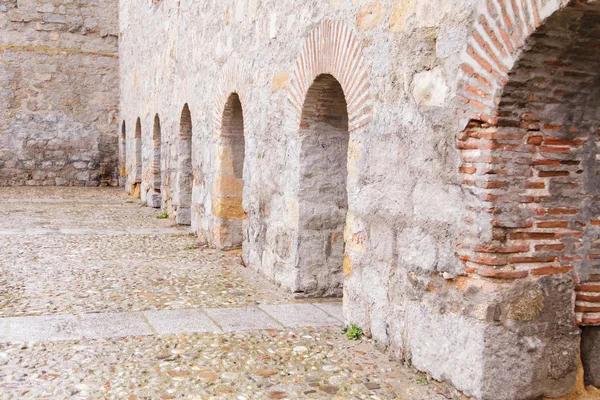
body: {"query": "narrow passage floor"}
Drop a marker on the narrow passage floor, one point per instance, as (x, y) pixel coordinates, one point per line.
(99, 298)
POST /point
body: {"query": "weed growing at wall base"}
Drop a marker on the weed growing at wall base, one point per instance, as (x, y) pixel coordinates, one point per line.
(353, 332)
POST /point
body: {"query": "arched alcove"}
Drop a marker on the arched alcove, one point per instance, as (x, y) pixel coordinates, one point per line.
(137, 179)
(185, 173)
(322, 193)
(229, 178)
(123, 152)
(155, 198)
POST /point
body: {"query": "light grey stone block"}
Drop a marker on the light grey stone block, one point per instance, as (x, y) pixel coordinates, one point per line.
(167, 322)
(45, 328)
(335, 309)
(242, 319)
(297, 315)
(107, 325)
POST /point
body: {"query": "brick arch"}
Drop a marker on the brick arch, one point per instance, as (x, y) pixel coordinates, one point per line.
(332, 49)
(232, 79)
(498, 36)
(530, 96)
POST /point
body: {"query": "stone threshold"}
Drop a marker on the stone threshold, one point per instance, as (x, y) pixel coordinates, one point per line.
(66, 327)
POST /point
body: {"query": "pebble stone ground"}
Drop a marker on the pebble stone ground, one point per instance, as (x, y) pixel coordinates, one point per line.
(100, 299)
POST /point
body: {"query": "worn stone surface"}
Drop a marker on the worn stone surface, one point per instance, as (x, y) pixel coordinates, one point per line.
(59, 76)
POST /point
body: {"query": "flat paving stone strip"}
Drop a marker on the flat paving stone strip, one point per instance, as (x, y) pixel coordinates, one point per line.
(61, 327)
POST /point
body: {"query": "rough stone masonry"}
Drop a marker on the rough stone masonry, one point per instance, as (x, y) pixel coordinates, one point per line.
(59, 92)
(435, 161)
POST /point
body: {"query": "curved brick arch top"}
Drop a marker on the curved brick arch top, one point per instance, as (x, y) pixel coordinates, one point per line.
(232, 79)
(498, 36)
(332, 49)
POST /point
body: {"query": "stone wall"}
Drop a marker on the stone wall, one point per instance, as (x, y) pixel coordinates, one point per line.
(59, 92)
(423, 84)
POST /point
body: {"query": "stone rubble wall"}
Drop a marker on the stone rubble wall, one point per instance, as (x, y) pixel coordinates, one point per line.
(59, 92)
(406, 68)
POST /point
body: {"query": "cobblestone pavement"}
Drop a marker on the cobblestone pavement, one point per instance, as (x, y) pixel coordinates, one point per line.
(101, 299)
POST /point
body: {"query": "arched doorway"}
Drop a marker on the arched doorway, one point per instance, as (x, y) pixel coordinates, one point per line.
(123, 154)
(531, 163)
(227, 231)
(322, 193)
(138, 165)
(185, 173)
(155, 197)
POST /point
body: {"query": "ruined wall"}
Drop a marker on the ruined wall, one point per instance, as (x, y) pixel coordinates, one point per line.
(406, 70)
(59, 92)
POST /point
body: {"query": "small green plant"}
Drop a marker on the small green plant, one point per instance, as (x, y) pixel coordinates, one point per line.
(353, 332)
(423, 381)
(409, 362)
(129, 201)
(192, 247)
(144, 204)
(164, 215)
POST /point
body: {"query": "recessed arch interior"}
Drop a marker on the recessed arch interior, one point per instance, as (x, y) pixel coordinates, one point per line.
(156, 156)
(123, 150)
(322, 192)
(185, 173)
(229, 179)
(138, 151)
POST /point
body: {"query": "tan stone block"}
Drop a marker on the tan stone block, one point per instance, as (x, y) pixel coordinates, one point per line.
(370, 15)
(402, 11)
(280, 81)
(228, 185)
(347, 265)
(228, 207)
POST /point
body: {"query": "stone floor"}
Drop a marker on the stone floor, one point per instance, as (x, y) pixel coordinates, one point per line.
(101, 299)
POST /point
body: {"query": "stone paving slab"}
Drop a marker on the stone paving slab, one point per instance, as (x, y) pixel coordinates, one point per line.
(167, 322)
(242, 319)
(298, 315)
(110, 325)
(335, 309)
(46, 328)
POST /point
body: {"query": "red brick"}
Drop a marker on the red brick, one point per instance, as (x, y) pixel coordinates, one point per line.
(532, 235)
(491, 273)
(549, 247)
(502, 249)
(587, 309)
(549, 174)
(535, 185)
(532, 259)
(588, 288)
(553, 224)
(551, 270)
(562, 211)
(552, 149)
